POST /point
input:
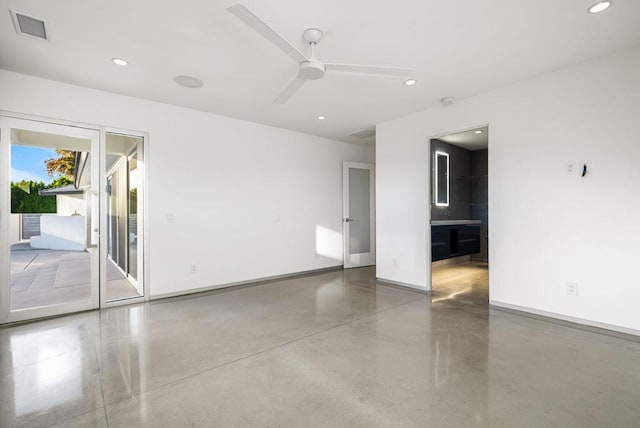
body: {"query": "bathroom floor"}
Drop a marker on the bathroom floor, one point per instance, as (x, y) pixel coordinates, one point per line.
(461, 283)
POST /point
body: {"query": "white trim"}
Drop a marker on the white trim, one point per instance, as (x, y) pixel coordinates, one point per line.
(429, 195)
(5, 210)
(361, 259)
(458, 131)
(412, 287)
(428, 200)
(35, 118)
(40, 125)
(143, 274)
(562, 317)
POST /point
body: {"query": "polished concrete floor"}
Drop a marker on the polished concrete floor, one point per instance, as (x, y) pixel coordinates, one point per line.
(330, 350)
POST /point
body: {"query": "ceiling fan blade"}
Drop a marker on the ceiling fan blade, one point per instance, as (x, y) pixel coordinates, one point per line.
(248, 17)
(370, 69)
(289, 90)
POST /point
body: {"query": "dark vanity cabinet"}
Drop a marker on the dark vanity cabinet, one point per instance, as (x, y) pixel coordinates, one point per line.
(454, 240)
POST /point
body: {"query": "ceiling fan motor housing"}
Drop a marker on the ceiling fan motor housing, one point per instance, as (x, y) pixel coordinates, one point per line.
(312, 70)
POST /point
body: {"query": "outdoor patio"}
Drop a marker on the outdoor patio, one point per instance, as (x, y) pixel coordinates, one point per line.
(49, 277)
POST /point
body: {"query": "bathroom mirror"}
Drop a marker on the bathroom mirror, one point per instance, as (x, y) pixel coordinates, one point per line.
(441, 179)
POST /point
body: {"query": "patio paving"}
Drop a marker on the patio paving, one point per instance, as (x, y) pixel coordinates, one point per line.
(49, 277)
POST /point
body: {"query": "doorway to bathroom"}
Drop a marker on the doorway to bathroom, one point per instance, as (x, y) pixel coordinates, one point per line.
(459, 214)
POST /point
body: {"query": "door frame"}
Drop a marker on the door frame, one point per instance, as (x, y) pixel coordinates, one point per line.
(5, 204)
(143, 223)
(429, 194)
(363, 259)
(7, 315)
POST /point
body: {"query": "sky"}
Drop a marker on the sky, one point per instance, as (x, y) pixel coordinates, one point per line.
(27, 163)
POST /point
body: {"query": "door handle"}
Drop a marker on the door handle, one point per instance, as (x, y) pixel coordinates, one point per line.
(349, 220)
(93, 230)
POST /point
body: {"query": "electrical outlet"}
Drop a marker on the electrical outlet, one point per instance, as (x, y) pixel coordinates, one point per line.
(572, 288)
(571, 167)
(194, 268)
(170, 218)
(395, 262)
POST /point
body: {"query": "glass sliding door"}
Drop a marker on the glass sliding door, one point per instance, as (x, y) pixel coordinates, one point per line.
(49, 223)
(124, 184)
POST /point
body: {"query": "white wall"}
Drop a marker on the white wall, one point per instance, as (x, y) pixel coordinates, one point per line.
(69, 204)
(547, 227)
(59, 232)
(246, 198)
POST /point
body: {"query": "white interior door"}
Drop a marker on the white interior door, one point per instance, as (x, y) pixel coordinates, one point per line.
(52, 266)
(358, 220)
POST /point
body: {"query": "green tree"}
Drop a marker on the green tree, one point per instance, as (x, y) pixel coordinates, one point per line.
(61, 181)
(25, 198)
(64, 164)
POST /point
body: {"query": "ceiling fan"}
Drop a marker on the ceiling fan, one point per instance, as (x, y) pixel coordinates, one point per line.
(310, 67)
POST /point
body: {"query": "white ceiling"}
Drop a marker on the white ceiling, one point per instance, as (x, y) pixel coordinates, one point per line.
(469, 139)
(459, 48)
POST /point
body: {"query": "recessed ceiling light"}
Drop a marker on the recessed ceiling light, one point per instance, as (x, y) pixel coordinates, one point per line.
(321, 117)
(599, 7)
(119, 61)
(188, 81)
(479, 131)
(410, 82)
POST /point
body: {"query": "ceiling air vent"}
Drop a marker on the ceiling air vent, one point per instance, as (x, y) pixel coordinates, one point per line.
(30, 25)
(364, 133)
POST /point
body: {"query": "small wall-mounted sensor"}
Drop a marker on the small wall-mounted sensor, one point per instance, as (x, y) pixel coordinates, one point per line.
(579, 168)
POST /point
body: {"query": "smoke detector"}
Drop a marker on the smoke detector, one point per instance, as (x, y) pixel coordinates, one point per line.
(447, 101)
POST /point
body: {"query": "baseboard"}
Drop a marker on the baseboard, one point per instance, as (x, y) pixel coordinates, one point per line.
(403, 285)
(598, 327)
(247, 283)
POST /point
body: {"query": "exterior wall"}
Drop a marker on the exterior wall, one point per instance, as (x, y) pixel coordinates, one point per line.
(61, 233)
(71, 204)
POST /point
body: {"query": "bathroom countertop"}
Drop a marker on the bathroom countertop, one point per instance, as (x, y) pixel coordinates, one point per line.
(453, 222)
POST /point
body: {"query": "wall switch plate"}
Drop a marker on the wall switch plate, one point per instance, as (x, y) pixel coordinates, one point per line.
(395, 262)
(572, 288)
